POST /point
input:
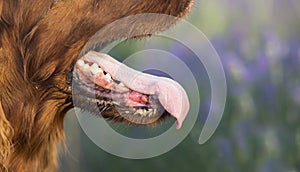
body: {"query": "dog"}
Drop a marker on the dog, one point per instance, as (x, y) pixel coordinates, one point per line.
(40, 42)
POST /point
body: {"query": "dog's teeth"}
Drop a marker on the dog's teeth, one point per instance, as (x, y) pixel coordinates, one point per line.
(122, 88)
(144, 111)
(136, 112)
(100, 70)
(94, 69)
(108, 76)
(115, 103)
(86, 66)
(140, 111)
(122, 85)
(150, 114)
(80, 62)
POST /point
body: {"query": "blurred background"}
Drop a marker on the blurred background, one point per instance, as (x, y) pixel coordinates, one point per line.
(259, 46)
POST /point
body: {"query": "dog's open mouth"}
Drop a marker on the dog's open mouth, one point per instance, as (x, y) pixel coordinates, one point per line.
(124, 94)
(102, 85)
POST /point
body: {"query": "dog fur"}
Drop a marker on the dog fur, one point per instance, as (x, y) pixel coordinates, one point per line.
(39, 42)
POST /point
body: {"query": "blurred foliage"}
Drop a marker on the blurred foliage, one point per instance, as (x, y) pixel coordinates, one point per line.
(259, 45)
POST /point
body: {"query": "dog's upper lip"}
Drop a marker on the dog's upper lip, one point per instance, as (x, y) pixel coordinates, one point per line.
(171, 95)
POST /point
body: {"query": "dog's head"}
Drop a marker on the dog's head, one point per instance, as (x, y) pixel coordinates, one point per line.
(40, 42)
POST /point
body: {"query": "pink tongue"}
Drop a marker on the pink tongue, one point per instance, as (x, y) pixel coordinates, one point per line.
(170, 94)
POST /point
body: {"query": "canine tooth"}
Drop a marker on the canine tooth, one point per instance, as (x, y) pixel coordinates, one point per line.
(80, 62)
(94, 68)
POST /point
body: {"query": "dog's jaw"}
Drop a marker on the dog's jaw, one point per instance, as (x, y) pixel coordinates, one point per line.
(140, 25)
(39, 42)
(135, 97)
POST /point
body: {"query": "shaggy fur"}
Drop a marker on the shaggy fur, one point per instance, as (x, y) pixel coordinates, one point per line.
(39, 42)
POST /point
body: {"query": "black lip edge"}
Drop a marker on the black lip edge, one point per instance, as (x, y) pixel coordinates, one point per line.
(113, 114)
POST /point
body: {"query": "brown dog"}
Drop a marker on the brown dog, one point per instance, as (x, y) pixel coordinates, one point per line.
(40, 41)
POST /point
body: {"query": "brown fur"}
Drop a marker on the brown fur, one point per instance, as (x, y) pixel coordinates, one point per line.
(39, 42)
